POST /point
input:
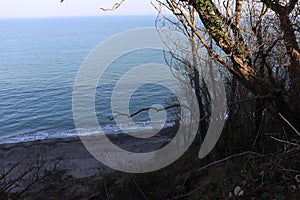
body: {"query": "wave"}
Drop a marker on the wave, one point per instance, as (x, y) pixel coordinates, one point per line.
(106, 129)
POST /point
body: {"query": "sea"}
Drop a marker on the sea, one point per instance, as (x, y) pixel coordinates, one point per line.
(39, 61)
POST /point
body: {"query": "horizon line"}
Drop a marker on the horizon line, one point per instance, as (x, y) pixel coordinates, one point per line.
(77, 16)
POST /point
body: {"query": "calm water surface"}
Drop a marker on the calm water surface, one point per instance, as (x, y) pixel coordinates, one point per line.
(39, 59)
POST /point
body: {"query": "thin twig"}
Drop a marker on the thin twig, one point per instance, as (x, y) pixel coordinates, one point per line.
(115, 6)
(106, 191)
(289, 170)
(144, 109)
(228, 158)
(140, 190)
(179, 105)
(283, 141)
(298, 133)
(259, 128)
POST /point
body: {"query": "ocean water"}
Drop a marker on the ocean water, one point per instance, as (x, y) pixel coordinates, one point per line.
(39, 60)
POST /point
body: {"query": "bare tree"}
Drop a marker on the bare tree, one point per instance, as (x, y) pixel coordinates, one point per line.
(256, 42)
(20, 176)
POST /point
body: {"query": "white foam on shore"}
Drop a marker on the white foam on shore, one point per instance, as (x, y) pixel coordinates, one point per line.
(106, 129)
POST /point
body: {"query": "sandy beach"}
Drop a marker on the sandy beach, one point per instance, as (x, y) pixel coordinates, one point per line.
(63, 154)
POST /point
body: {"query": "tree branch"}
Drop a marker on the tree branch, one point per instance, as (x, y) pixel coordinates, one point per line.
(115, 6)
(144, 109)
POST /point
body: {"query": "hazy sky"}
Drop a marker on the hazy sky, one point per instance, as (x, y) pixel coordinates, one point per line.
(53, 8)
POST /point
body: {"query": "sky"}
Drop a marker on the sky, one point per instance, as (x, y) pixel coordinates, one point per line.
(53, 8)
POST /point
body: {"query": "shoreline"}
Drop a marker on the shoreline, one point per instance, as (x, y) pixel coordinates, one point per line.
(73, 133)
(66, 154)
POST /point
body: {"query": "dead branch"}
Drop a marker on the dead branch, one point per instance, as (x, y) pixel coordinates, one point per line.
(33, 173)
(297, 132)
(140, 190)
(115, 6)
(144, 109)
(286, 142)
(228, 158)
